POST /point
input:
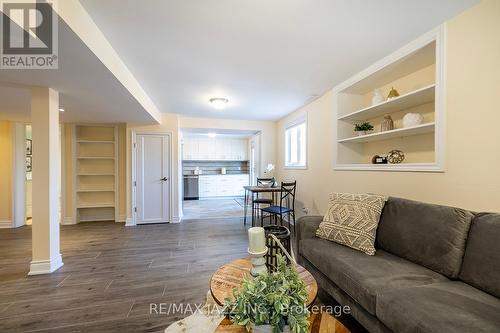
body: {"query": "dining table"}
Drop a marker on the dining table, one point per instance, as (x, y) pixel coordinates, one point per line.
(256, 190)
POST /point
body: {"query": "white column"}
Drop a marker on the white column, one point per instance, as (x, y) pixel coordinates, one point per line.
(46, 257)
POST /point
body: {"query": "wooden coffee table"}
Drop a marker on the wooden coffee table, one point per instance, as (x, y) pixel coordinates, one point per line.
(231, 275)
(319, 323)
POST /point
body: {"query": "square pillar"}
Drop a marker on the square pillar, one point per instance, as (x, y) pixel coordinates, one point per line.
(46, 256)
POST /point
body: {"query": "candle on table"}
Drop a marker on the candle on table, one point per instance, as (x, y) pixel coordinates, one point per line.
(256, 240)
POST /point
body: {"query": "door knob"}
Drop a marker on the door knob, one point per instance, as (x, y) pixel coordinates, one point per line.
(164, 179)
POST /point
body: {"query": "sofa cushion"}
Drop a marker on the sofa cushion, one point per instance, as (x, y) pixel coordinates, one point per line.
(481, 265)
(430, 235)
(352, 220)
(363, 277)
(451, 306)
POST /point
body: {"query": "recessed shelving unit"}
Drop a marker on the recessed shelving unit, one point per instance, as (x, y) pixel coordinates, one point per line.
(396, 133)
(95, 160)
(416, 71)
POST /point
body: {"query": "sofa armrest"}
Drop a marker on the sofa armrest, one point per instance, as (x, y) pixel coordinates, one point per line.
(306, 228)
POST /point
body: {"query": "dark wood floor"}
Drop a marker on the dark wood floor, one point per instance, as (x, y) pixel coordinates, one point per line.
(111, 274)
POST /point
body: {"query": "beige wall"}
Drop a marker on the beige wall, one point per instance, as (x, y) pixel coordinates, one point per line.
(472, 177)
(5, 172)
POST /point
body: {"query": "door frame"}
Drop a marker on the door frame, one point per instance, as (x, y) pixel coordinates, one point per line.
(133, 150)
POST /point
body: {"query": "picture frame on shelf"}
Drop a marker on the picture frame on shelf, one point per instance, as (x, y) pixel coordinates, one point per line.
(29, 166)
(29, 147)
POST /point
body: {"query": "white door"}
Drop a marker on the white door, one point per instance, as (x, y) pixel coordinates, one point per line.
(152, 178)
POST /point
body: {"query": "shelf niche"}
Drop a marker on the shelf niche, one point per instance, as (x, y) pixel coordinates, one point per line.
(415, 71)
(96, 173)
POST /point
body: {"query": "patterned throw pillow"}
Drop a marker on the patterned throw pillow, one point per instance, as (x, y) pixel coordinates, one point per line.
(352, 220)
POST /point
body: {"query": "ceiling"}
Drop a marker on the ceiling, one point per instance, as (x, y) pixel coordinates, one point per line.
(267, 57)
(89, 92)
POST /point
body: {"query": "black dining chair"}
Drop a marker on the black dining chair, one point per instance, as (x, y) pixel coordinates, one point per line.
(256, 201)
(286, 206)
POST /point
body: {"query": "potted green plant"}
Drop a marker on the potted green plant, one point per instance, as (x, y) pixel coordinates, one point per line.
(271, 302)
(363, 128)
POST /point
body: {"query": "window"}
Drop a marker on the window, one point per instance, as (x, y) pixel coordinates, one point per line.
(295, 145)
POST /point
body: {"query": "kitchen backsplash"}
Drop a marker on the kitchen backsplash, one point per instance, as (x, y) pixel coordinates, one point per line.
(215, 167)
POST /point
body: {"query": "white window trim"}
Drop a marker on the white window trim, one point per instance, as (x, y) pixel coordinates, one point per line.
(290, 124)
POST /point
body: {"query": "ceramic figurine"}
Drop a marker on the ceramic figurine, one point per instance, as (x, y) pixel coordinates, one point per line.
(377, 97)
(396, 156)
(392, 94)
(412, 119)
(387, 123)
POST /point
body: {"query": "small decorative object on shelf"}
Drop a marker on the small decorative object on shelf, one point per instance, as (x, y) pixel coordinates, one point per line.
(363, 129)
(392, 94)
(257, 249)
(387, 123)
(412, 119)
(396, 156)
(379, 159)
(377, 97)
(283, 235)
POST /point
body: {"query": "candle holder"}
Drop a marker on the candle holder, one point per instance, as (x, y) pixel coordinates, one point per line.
(258, 262)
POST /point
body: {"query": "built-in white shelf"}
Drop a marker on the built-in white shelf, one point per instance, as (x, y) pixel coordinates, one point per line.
(415, 98)
(95, 158)
(396, 133)
(102, 219)
(95, 151)
(413, 167)
(95, 141)
(97, 205)
(417, 69)
(96, 190)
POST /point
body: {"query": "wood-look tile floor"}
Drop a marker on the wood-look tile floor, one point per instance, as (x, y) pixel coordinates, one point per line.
(213, 208)
(111, 274)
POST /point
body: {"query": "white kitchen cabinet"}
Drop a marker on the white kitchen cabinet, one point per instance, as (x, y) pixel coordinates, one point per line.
(222, 185)
(220, 149)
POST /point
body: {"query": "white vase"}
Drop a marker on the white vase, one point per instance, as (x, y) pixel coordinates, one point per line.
(412, 119)
(268, 329)
(377, 97)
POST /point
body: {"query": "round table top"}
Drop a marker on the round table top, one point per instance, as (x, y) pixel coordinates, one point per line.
(231, 275)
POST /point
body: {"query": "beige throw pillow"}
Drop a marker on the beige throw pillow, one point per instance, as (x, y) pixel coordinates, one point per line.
(352, 220)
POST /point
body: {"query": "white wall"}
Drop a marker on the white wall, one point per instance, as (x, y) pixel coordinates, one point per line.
(471, 180)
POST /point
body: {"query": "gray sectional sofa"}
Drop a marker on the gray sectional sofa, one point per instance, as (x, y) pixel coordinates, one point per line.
(436, 269)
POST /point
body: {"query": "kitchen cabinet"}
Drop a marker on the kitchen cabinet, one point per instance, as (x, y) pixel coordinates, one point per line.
(220, 149)
(222, 185)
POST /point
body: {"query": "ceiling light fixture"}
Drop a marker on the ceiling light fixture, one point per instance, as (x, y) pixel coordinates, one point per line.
(219, 103)
(212, 135)
(61, 110)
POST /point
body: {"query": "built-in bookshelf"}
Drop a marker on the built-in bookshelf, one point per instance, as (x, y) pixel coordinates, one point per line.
(96, 172)
(416, 72)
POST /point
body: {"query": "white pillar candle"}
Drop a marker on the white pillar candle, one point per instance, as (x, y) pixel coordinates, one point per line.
(256, 240)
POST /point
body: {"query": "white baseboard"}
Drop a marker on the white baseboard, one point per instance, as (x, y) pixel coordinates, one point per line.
(129, 222)
(68, 221)
(121, 218)
(5, 224)
(46, 266)
(176, 219)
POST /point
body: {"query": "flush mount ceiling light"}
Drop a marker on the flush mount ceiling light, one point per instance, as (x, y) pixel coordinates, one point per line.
(61, 110)
(212, 135)
(219, 103)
